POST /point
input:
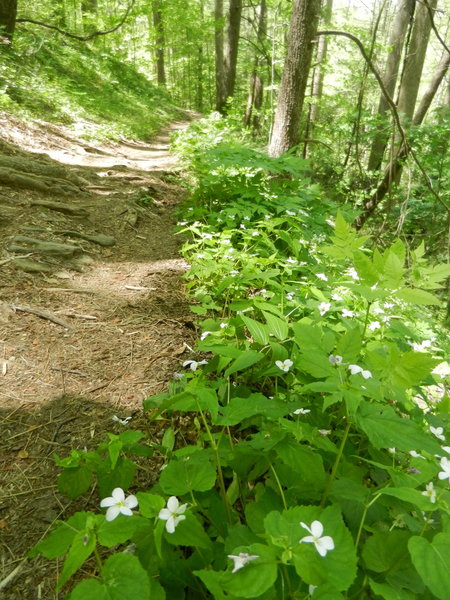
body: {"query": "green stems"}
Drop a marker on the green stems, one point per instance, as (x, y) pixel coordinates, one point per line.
(336, 465)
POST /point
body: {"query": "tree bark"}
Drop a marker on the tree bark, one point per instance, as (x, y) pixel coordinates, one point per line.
(402, 20)
(255, 95)
(158, 24)
(231, 48)
(303, 28)
(8, 14)
(220, 71)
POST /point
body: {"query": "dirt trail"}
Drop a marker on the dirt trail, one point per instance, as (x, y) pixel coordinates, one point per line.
(83, 337)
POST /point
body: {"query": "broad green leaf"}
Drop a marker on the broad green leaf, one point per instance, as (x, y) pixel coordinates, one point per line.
(256, 404)
(82, 546)
(75, 482)
(338, 567)
(245, 360)
(306, 463)
(349, 345)
(150, 504)
(122, 476)
(59, 540)
(189, 532)
(258, 331)
(255, 578)
(417, 296)
(118, 531)
(393, 269)
(123, 578)
(365, 268)
(388, 592)
(432, 560)
(276, 326)
(386, 429)
(411, 368)
(190, 473)
(315, 363)
(410, 495)
(384, 549)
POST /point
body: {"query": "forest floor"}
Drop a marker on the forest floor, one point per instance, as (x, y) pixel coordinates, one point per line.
(93, 318)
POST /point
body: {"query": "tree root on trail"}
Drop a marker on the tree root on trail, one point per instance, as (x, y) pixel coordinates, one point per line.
(64, 208)
(42, 247)
(39, 183)
(99, 238)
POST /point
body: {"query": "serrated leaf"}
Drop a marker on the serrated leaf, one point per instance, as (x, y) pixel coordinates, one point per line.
(239, 409)
(349, 345)
(409, 495)
(411, 368)
(189, 532)
(190, 473)
(82, 546)
(59, 540)
(417, 296)
(431, 559)
(75, 482)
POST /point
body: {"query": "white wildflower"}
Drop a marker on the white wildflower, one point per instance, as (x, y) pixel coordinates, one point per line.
(173, 514)
(117, 504)
(323, 544)
(284, 365)
(241, 560)
(430, 492)
(324, 307)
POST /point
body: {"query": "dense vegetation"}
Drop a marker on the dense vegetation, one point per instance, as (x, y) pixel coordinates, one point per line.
(319, 391)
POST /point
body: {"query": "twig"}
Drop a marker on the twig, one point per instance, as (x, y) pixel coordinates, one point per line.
(4, 582)
(71, 371)
(41, 313)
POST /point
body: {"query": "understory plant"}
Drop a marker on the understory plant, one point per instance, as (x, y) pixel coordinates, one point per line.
(318, 463)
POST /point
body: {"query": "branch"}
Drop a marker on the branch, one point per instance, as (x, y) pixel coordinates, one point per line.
(433, 25)
(405, 148)
(81, 38)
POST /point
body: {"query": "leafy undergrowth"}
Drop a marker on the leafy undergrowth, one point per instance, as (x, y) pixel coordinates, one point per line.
(319, 395)
(50, 78)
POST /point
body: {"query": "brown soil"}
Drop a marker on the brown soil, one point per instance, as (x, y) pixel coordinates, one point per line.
(128, 326)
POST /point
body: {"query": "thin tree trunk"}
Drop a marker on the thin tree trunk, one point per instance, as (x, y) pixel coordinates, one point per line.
(255, 96)
(158, 24)
(231, 47)
(220, 72)
(8, 14)
(402, 20)
(303, 28)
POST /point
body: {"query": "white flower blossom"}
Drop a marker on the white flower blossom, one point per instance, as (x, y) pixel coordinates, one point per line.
(388, 305)
(291, 261)
(336, 297)
(290, 296)
(391, 450)
(205, 335)
(348, 313)
(291, 213)
(430, 492)
(284, 365)
(378, 310)
(207, 236)
(323, 544)
(322, 276)
(335, 360)
(415, 454)
(223, 325)
(355, 369)
(324, 432)
(443, 370)
(438, 432)
(374, 325)
(255, 233)
(324, 307)
(445, 466)
(311, 589)
(352, 273)
(194, 364)
(117, 504)
(302, 411)
(173, 514)
(241, 560)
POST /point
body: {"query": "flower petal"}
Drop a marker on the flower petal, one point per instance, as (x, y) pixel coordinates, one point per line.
(164, 514)
(305, 526)
(118, 494)
(112, 512)
(107, 502)
(170, 524)
(131, 502)
(316, 528)
(173, 504)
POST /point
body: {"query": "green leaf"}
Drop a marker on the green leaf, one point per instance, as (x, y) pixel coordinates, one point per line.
(349, 345)
(74, 482)
(410, 495)
(189, 532)
(393, 269)
(123, 578)
(417, 296)
(432, 559)
(255, 578)
(121, 476)
(82, 546)
(150, 504)
(243, 361)
(315, 363)
(258, 331)
(365, 268)
(118, 531)
(256, 404)
(387, 592)
(190, 473)
(411, 368)
(386, 429)
(276, 326)
(59, 540)
(307, 464)
(384, 549)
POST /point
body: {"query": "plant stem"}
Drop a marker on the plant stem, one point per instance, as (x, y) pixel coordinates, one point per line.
(336, 465)
(280, 487)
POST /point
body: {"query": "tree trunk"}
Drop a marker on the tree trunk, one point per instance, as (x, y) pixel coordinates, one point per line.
(8, 14)
(303, 28)
(415, 58)
(231, 47)
(402, 20)
(394, 169)
(318, 77)
(220, 71)
(158, 24)
(255, 95)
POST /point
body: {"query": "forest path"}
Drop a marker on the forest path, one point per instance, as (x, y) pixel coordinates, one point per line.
(87, 329)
